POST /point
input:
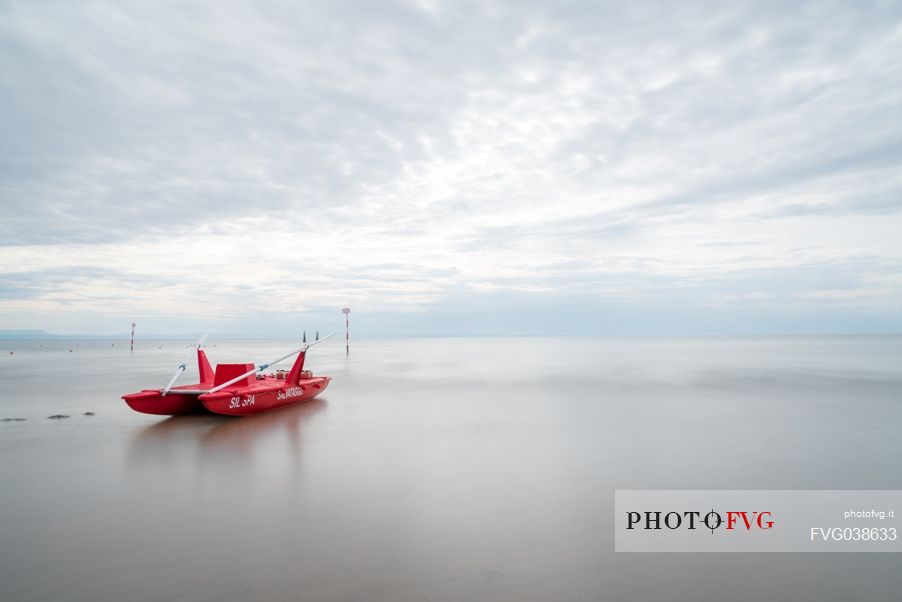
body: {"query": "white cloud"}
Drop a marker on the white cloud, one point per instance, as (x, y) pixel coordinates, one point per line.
(214, 162)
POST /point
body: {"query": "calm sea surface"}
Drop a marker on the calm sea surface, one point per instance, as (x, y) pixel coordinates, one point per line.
(436, 469)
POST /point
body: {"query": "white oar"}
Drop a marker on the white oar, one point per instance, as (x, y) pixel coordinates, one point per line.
(263, 367)
(182, 367)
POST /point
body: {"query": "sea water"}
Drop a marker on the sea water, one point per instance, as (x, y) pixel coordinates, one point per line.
(435, 469)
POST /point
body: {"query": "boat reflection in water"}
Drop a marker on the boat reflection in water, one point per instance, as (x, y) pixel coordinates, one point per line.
(204, 444)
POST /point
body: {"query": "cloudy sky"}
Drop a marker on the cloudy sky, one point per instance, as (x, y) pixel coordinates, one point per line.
(451, 167)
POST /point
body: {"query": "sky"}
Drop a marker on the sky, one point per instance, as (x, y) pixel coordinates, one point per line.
(451, 168)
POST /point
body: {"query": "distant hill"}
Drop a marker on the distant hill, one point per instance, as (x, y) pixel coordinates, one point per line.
(43, 335)
(27, 334)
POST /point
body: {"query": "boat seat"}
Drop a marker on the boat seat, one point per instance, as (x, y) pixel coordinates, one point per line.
(226, 372)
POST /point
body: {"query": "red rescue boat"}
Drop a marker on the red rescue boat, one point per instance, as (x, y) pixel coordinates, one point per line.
(233, 389)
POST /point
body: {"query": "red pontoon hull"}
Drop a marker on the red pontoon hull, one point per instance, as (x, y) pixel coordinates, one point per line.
(172, 404)
(266, 394)
(179, 400)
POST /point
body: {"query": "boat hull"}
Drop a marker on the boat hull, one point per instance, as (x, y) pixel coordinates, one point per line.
(268, 394)
(152, 401)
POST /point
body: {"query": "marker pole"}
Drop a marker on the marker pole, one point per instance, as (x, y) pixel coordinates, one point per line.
(346, 311)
